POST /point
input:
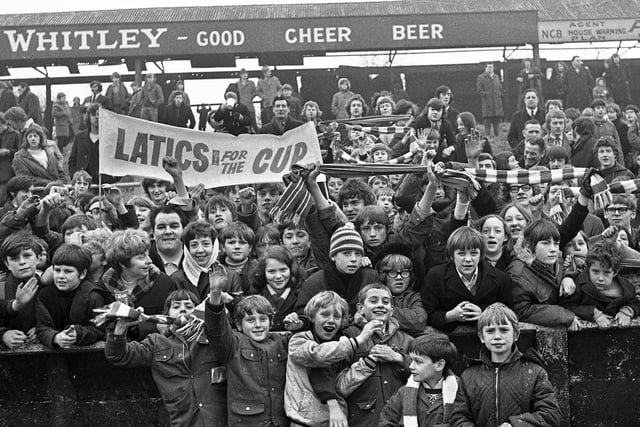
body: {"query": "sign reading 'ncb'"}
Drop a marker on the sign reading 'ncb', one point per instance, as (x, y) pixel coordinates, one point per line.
(589, 30)
(274, 35)
(130, 146)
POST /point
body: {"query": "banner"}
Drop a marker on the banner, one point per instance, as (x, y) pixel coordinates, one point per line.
(130, 146)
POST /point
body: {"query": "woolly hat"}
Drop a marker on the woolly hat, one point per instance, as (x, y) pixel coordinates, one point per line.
(380, 146)
(345, 238)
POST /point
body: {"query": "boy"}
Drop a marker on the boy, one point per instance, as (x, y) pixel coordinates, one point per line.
(380, 153)
(255, 359)
(601, 295)
(427, 399)
(236, 241)
(385, 201)
(320, 347)
(201, 243)
(380, 366)
(610, 166)
(190, 379)
(504, 387)
(20, 252)
(64, 311)
(295, 238)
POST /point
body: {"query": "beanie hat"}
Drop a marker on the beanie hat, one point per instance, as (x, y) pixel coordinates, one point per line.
(345, 238)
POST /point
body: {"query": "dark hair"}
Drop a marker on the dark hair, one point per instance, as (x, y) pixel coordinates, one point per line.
(606, 254)
(435, 104)
(502, 160)
(19, 183)
(372, 214)
(606, 141)
(148, 182)
(279, 253)
(238, 230)
(572, 113)
(464, 238)
(539, 142)
(524, 94)
(92, 110)
(436, 346)
(73, 256)
(267, 232)
(18, 242)
(97, 83)
(406, 107)
(77, 220)
(224, 201)
(354, 188)
(539, 230)
(441, 90)
(291, 225)
(198, 229)
(598, 103)
(357, 97)
(584, 126)
(58, 216)
(557, 152)
(179, 295)
(268, 186)
(281, 98)
(167, 209)
(468, 120)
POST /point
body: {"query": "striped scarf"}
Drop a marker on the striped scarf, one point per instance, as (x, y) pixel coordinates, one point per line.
(410, 399)
(295, 202)
(370, 120)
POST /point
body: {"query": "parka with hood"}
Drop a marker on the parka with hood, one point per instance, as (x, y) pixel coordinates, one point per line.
(25, 164)
(340, 98)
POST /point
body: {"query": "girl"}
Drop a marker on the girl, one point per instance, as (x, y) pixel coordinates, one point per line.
(497, 241)
(35, 160)
(191, 382)
(334, 184)
(516, 217)
(278, 278)
(396, 271)
(466, 125)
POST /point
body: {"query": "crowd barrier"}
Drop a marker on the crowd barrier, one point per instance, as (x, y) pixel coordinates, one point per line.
(594, 372)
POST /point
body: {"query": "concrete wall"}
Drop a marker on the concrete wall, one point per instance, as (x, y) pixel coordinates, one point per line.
(594, 372)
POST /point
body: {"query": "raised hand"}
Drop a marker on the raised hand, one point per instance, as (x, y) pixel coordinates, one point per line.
(25, 293)
(292, 322)
(170, 165)
(217, 283)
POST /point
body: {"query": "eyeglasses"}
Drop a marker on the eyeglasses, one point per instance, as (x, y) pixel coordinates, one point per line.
(404, 274)
(515, 188)
(620, 209)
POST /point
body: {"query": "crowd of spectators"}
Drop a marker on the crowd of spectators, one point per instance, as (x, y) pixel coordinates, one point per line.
(339, 317)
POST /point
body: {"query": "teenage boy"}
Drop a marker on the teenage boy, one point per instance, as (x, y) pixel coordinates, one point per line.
(603, 127)
(20, 253)
(295, 238)
(610, 165)
(64, 311)
(427, 398)
(504, 387)
(380, 366)
(433, 116)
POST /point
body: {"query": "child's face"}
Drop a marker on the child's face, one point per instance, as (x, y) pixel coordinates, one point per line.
(515, 221)
(397, 280)
(546, 251)
(256, 326)
(333, 186)
(201, 249)
(277, 274)
(347, 262)
(266, 199)
(139, 265)
(434, 115)
(68, 233)
(380, 156)
(466, 260)
(326, 322)
(432, 144)
(377, 184)
(33, 139)
(181, 308)
(67, 278)
(386, 203)
(237, 249)
(498, 339)
(142, 213)
(81, 186)
(234, 194)
(612, 115)
(494, 235)
(158, 193)
(377, 305)
(373, 234)
(606, 157)
(296, 241)
(351, 206)
(578, 248)
(23, 265)
(220, 217)
(601, 275)
(424, 369)
(386, 109)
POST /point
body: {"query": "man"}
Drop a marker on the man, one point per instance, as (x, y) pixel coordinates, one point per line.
(152, 98)
(268, 88)
(235, 117)
(135, 101)
(531, 131)
(30, 103)
(577, 82)
(281, 121)
(7, 97)
(444, 94)
(117, 96)
(166, 251)
(605, 128)
(531, 112)
(178, 113)
(610, 167)
(432, 117)
(76, 114)
(96, 96)
(490, 89)
(295, 106)
(246, 92)
(533, 153)
(9, 145)
(555, 123)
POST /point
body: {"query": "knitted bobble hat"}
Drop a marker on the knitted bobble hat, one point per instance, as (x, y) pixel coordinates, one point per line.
(345, 238)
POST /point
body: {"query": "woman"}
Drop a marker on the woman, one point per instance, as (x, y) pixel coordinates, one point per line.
(132, 278)
(466, 124)
(340, 98)
(311, 113)
(35, 160)
(278, 278)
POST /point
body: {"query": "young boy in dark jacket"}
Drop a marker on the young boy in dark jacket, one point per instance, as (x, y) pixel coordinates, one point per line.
(64, 311)
(504, 387)
(601, 295)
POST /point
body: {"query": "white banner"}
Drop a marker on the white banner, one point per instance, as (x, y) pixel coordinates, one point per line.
(130, 146)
